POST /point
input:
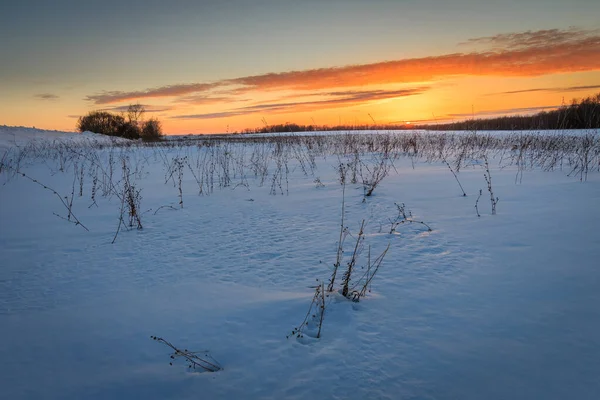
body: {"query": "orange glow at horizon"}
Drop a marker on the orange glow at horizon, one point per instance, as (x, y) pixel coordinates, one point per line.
(451, 100)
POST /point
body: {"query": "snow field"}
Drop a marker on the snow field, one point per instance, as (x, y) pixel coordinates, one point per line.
(493, 307)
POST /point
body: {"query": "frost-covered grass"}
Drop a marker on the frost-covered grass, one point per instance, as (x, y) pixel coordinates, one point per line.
(235, 233)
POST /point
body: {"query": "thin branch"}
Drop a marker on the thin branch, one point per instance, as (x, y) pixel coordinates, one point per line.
(67, 207)
(191, 356)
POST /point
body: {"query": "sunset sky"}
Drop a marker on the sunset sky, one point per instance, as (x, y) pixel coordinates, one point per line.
(222, 66)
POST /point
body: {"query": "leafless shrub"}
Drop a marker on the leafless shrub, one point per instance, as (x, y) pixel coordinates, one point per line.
(312, 323)
(343, 231)
(521, 147)
(488, 179)
(4, 161)
(130, 198)
(199, 180)
(94, 189)
(584, 155)
(107, 178)
(347, 276)
(259, 162)
(175, 173)
(281, 173)
(363, 284)
(352, 288)
(375, 173)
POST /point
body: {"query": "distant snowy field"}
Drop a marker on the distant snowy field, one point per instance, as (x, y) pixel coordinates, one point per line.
(500, 306)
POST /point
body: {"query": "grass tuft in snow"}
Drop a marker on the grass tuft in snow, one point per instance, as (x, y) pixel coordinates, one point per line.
(312, 323)
(404, 217)
(488, 179)
(204, 363)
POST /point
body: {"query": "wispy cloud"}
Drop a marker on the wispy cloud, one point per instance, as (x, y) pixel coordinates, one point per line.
(529, 39)
(47, 96)
(224, 114)
(526, 110)
(203, 99)
(553, 89)
(342, 99)
(421, 121)
(147, 108)
(345, 98)
(515, 54)
(163, 91)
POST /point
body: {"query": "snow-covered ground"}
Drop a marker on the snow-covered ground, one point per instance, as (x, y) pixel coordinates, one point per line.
(20, 136)
(571, 132)
(500, 306)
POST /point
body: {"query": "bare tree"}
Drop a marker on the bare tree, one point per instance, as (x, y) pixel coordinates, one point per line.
(135, 114)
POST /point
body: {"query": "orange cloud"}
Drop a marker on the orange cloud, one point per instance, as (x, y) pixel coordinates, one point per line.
(515, 54)
(342, 99)
(203, 99)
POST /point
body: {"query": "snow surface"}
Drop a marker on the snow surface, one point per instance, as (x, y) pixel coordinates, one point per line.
(498, 307)
(571, 132)
(20, 136)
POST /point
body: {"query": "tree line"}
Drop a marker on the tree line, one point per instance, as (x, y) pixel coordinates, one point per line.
(583, 114)
(580, 114)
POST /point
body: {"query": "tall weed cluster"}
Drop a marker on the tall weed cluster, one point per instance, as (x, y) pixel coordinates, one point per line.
(115, 169)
